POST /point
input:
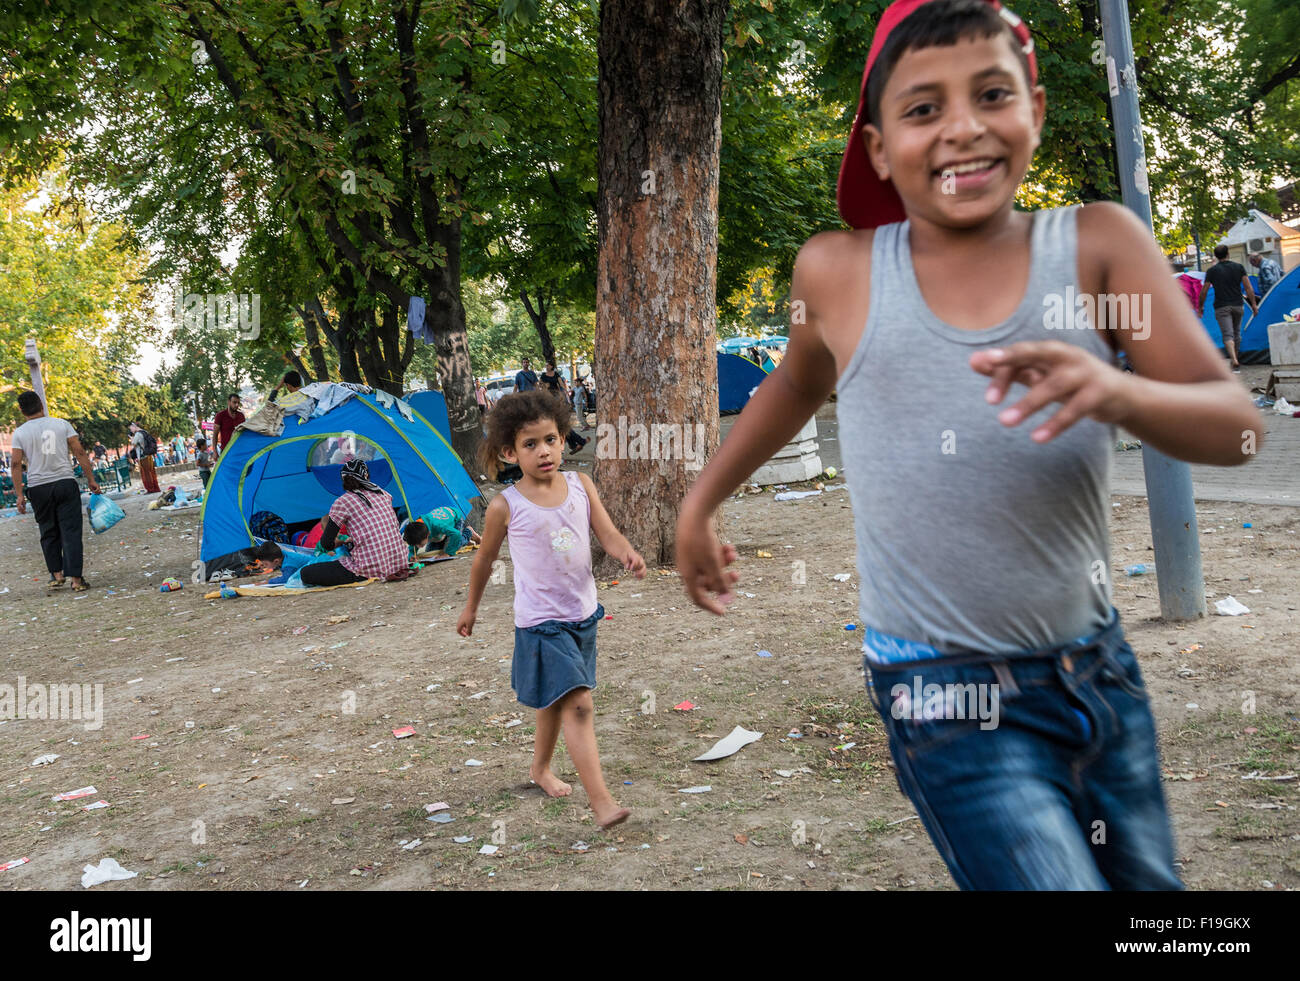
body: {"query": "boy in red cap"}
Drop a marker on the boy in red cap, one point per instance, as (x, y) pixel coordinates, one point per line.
(1016, 712)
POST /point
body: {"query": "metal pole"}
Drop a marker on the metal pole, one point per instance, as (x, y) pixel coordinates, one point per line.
(33, 359)
(1169, 481)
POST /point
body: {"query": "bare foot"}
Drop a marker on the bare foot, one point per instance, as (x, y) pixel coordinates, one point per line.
(549, 782)
(607, 818)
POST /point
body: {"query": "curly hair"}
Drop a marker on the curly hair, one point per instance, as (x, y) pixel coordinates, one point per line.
(511, 414)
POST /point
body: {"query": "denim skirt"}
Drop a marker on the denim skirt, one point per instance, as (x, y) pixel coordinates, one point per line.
(553, 658)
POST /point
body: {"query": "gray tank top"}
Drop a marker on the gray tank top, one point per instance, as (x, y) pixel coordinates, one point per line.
(971, 536)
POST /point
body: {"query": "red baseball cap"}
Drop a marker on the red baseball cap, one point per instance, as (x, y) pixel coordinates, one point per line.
(865, 201)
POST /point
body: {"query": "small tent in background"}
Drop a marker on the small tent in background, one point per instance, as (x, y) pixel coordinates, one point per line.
(1254, 329)
(296, 474)
(432, 405)
(737, 379)
(1262, 233)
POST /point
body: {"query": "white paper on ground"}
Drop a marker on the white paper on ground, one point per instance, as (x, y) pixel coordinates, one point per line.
(795, 495)
(729, 744)
(106, 871)
(695, 790)
(1230, 607)
(45, 759)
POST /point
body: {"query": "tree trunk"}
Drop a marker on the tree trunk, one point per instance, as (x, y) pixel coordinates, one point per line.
(538, 317)
(314, 348)
(660, 85)
(446, 316)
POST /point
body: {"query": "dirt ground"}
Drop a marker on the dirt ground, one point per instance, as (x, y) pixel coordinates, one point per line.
(230, 760)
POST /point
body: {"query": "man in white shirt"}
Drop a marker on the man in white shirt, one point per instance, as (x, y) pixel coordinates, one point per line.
(44, 443)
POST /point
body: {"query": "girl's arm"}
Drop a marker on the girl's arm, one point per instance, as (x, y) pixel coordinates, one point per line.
(495, 522)
(1183, 399)
(610, 538)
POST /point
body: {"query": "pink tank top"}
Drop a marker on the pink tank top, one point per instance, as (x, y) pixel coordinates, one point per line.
(550, 549)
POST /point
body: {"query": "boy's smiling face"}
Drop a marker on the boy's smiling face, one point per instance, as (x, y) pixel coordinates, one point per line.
(537, 448)
(958, 128)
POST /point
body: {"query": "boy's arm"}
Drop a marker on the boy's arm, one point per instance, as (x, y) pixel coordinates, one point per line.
(1250, 292)
(781, 406)
(495, 522)
(1183, 400)
(611, 539)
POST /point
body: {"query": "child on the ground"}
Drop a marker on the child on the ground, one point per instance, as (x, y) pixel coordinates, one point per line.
(205, 462)
(549, 515)
(441, 529)
(983, 548)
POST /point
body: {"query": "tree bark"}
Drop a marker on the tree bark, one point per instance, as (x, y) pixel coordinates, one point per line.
(538, 317)
(660, 85)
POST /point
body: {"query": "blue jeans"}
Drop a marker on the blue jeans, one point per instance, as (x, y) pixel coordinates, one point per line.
(1040, 772)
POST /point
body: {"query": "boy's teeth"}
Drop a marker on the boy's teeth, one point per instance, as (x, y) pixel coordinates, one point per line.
(968, 168)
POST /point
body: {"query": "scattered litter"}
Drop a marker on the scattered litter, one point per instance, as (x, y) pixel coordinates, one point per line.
(1230, 607)
(138, 738)
(74, 794)
(16, 862)
(442, 817)
(795, 495)
(411, 845)
(106, 871)
(579, 846)
(1189, 650)
(764, 653)
(850, 626)
(135, 681)
(341, 618)
(481, 694)
(730, 744)
(696, 790)
(45, 759)
(114, 640)
(96, 806)
(473, 762)
(845, 746)
(299, 631)
(841, 577)
(1284, 408)
(683, 706)
(463, 839)
(342, 800)
(488, 850)
(1192, 705)
(1136, 570)
(514, 722)
(403, 732)
(1256, 775)
(335, 647)
(1247, 524)
(442, 805)
(764, 555)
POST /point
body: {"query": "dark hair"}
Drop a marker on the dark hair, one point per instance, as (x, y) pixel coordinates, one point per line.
(201, 443)
(416, 533)
(512, 413)
(292, 378)
(232, 395)
(940, 24)
(1220, 252)
(30, 403)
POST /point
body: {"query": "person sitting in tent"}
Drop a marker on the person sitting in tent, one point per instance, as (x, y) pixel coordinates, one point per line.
(441, 529)
(377, 549)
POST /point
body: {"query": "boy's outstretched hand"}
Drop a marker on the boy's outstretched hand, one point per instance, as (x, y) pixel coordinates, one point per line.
(702, 563)
(1054, 371)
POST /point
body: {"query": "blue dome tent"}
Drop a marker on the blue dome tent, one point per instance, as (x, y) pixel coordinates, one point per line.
(432, 406)
(737, 379)
(298, 474)
(1281, 299)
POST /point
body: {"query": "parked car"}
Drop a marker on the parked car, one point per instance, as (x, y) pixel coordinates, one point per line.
(498, 385)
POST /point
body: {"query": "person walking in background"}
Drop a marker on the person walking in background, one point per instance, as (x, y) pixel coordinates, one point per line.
(226, 420)
(205, 462)
(44, 444)
(480, 395)
(1269, 272)
(526, 378)
(1228, 279)
(145, 446)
